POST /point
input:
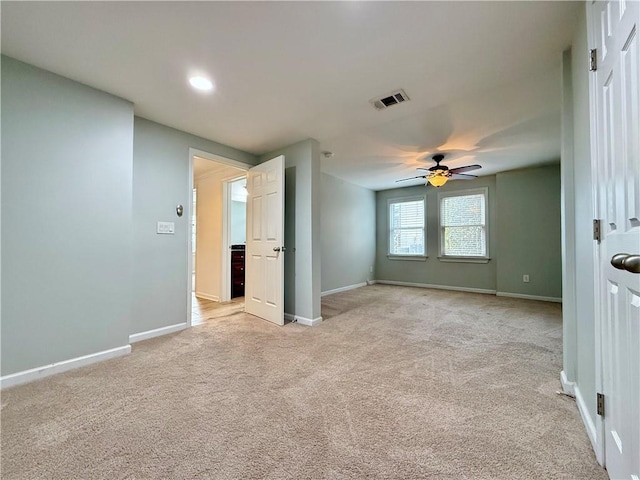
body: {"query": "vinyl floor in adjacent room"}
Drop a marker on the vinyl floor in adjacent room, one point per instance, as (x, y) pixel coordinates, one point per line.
(396, 383)
(203, 310)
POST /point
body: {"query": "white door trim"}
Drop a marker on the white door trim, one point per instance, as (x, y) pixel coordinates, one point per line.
(194, 152)
(225, 284)
(598, 446)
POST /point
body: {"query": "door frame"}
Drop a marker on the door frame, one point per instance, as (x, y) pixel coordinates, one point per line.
(194, 152)
(598, 447)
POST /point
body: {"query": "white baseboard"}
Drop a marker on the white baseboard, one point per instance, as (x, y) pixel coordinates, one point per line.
(344, 289)
(529, 297)
(308, 321)
(567, 386)
(138, 337)
(59, 367)
(586, 418)
(438, 287)
(302, 320)
(206, 296)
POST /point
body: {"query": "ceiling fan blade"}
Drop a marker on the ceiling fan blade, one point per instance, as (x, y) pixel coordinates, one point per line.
(468, 168)
(410, 178)
(462, 176)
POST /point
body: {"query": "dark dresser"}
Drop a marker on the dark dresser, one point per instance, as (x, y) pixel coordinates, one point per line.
(237, 271)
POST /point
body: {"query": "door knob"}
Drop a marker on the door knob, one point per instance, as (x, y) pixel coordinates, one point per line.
(276, 249)
(625, 261)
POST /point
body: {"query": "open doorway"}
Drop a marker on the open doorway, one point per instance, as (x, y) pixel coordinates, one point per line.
(236, 221)
(218, 221)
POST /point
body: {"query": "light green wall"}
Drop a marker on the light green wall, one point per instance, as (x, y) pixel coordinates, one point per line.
(528, 203)
(348, 223)
(66, 218)
(160, 182)
(568, 208)
(524, 236)
(433, 271)
(302, 227)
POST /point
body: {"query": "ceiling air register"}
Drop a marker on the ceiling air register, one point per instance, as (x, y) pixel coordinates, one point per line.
(390, 99)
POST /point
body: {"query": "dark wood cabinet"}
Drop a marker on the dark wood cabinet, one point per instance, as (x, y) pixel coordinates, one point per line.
(237, 273)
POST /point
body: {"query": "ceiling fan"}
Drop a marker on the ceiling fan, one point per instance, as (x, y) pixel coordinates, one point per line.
(440, 174)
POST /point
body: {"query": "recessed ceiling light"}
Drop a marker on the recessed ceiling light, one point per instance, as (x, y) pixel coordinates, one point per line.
(201, 83)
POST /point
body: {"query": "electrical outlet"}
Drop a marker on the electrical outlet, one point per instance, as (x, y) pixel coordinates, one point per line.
(525, 278)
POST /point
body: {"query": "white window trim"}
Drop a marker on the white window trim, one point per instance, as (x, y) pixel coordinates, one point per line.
(413, 258)
(457, 258)
(408, 256)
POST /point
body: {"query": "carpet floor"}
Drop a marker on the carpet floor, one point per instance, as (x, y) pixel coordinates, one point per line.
(396, 383)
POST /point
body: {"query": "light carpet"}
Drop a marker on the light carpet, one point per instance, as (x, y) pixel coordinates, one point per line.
(396, 383)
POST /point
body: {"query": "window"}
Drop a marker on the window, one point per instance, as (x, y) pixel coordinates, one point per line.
(406, 226)
(463, 224)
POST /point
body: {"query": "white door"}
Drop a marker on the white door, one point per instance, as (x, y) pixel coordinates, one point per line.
(264, 256)
(617, 172)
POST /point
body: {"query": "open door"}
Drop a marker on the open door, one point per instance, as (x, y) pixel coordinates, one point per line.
(617, 173)
(264, 285)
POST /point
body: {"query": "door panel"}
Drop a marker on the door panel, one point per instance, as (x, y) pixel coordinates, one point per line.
(616, 164)
(264, 296)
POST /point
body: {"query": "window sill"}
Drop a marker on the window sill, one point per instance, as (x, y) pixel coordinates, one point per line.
(465, 259)
(413, 258)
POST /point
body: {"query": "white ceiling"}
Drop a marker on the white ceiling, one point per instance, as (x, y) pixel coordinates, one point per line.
(203, 167)
(483, 77)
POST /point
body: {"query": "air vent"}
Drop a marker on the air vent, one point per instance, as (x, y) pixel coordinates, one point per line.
(389, 100)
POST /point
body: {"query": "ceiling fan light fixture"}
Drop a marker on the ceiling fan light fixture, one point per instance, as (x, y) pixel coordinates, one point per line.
(438, 180)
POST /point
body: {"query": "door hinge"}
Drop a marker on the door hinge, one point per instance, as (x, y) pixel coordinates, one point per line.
(597, 231)
(600, 404)
(593, 59)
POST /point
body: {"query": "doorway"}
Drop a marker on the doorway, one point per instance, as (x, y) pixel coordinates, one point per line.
(213, 219)
(235, 219)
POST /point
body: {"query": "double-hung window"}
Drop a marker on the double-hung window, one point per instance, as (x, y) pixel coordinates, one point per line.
(407, 227)
(463, 225)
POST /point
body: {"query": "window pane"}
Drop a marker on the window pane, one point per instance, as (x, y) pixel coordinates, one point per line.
(463, 221)
(408, 241)
(462, 210)
(406, 227)
(407, 214)
(464, 241)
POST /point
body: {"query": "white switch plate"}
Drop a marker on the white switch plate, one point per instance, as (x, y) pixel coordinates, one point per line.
(166, 228)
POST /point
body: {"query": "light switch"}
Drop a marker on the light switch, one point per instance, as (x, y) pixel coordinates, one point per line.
(166, 228)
